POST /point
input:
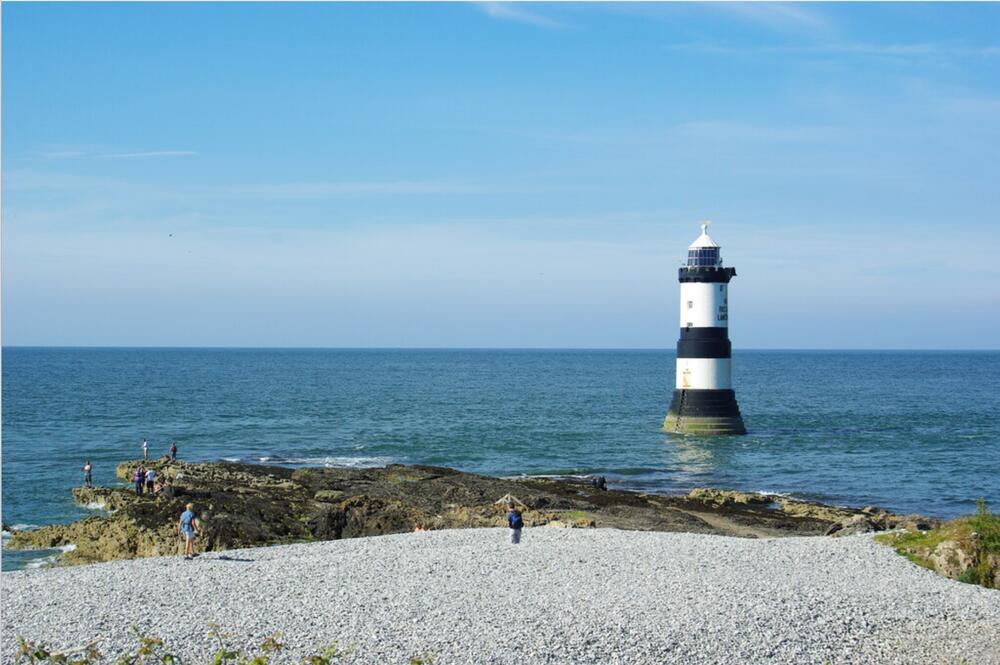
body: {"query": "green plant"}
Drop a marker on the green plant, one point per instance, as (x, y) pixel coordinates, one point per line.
(970, 576)
(977, 534)
(987, 525)
(424, 659)
(35, 652)
(272, 644)
(224, 654)
(151, 650)
(328, 655)
(986, 533)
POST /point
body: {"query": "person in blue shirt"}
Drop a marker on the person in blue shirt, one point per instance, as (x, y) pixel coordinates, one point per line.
(515, 522)
(188, 527)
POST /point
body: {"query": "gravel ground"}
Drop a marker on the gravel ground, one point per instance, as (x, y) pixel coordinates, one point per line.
(562, 596)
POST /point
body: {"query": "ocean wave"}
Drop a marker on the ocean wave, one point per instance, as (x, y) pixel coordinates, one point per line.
(329, 461)
(50, 560)
(43, 562)
(8, 534)
(22, 527)
(552, 476)
(338, 462)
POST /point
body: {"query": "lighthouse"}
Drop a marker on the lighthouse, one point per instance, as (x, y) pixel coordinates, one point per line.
(704, 401)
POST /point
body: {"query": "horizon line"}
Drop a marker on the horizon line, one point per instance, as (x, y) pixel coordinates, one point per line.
(477, 348)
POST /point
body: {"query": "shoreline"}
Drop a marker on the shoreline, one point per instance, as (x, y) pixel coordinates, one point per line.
(248, 505)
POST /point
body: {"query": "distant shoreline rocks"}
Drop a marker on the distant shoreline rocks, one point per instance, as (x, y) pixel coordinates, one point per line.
(250, 505)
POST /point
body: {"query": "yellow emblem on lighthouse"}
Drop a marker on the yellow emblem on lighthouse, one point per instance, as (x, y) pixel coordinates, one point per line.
(686, 374)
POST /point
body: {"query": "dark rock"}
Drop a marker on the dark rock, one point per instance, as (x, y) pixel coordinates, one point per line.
(729, 497)
(241, 505)
(852, 525)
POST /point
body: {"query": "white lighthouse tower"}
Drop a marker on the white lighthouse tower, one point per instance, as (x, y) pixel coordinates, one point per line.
(704, 401)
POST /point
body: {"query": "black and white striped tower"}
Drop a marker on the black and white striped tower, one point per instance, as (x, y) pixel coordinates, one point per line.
(704, 401)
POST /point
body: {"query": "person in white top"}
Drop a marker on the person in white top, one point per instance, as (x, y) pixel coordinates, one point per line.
(150, 479)
(145, 449)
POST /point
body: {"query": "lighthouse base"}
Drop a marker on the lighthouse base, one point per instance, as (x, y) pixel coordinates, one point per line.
(707, 412)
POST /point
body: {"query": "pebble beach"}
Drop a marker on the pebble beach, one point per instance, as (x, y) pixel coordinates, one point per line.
(561, 596)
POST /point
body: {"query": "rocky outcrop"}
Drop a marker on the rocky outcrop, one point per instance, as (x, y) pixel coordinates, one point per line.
(951, 558)
(840, 521)
(730, 497)
(966, 548)
(242, 505)
(853, 525)
(966, 560)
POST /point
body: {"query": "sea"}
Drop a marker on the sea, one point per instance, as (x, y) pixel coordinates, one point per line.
(908, 431)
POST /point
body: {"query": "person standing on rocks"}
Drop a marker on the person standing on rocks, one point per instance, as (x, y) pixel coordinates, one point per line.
(173, 451)
(87, 478)
(145, 450)
(150, 480)
(139, 477)
(516, 522)
(188, 527)
(166, 488)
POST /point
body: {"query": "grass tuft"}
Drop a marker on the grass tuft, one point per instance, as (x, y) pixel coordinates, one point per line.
(977, 534)
(153, 651)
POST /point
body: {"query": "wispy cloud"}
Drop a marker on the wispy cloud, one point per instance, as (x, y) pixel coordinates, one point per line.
(840, 48)
(61, 154)
(108, 154)
(33, 180)
(510, 12)
(570, 137)
(778, 16)
(37, 180)
(699, 129)
(955, 101)
(149, 154)
(336, 189)
(738, 131)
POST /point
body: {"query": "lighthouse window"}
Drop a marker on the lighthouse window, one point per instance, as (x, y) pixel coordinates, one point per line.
(690, 304)
(706, 256)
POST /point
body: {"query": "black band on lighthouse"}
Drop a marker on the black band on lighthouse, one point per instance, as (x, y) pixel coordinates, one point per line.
(705, 404)
(710, 275)
(704, 348)
(704, 343)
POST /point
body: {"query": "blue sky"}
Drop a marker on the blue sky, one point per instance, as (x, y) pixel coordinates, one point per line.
(498, 175)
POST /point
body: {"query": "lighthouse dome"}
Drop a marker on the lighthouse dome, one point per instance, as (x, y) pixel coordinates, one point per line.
(704, 252)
